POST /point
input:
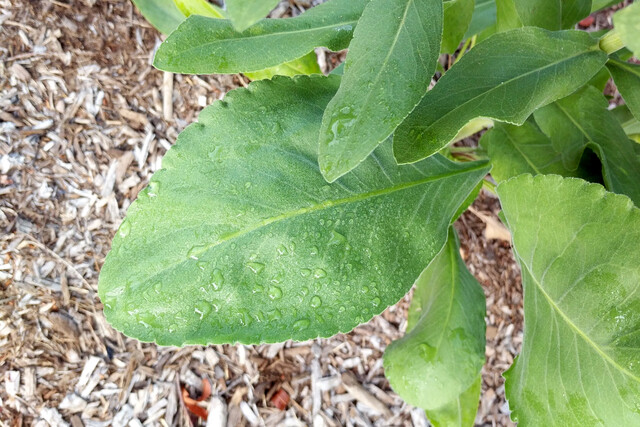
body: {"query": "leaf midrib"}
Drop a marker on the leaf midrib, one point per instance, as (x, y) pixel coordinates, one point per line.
(514, 79)
(576, 329)
(317, 207)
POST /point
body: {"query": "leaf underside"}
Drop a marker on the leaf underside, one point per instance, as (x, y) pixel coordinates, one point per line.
(543, 66)
(436, 365)
(387, 72)
(577, 246)
(240, 238)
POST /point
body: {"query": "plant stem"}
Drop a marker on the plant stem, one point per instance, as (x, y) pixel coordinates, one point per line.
(489, 186)
(611, 42)
(465, 46)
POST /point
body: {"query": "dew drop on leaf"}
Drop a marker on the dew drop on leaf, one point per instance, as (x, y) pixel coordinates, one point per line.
(202, 309)
(275, 292)
(256, 267)
(301, 324)
(319, 273)
(125, 228)
(217, 279)
(316, 302)
(305, 272)
(282, 250)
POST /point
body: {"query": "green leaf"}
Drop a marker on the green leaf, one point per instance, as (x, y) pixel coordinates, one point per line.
(577, 246)
(457, 17)
(206, 45)
(239, 237)
(308, 64)
(245, 13)
(584, 120)
(162, 14)
(601, 4)
(507, 16)
(552, 14)
(543, 66)
(461, 412)
(442, 354)
(627, 25)
(387, 71)
(198, 7)
(629, 123)
(627, 79)
(515, 150)
(484, 16)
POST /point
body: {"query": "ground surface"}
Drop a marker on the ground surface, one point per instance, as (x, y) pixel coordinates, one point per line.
(84, 121)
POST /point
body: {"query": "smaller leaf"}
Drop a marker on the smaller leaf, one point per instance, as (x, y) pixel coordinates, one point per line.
(457, 17)
(627, 78)
(507, 16)
(308, 64)
(440, 357)
(388, 70)
(245, 13)
(484, 17)
(162, 14)
(552, 14)
(198, 7)
(627, 24)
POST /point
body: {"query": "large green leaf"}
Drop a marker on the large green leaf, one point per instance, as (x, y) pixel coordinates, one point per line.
(627, 78)
(484, 17)
(205, 45)
(505, 78)
(245, 13)
(583, 120)
(457, 17)
(627, 25)
(577, 246)
(515, 150)
(552, 14)
(162, 14)
(239, 237)
(387, 72)
(442, 354)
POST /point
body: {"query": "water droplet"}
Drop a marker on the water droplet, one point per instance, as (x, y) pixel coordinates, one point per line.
(316, 302)
(202, 308)
(365, 289)
(376, 301)
(154, 187)
(172, 328)
(125, 228)
(195, 251)
(257, 289)
(217, 279)
(256, 267)
(319, 273)
(201, 265)
(305, 272)
(314, 251)
(282, 250)
(301, 324)
(275, 292)
(274, 315)
(157, 287)
(247, 185)
(341, 309)
(336, 238)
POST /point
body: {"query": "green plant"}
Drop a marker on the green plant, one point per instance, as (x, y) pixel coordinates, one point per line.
(302, 206)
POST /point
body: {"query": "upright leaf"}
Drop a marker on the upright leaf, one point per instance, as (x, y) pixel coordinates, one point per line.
(245, 13)
(515, 150)
(483, 18)
(387, 72)
(582, 120)
(440, 357)
(457, 17)
(627, 25)
(543, 66)
(205, 45)
(239, 237)
(627, 78)
(552, 14)
(577, 246)
(162, 14)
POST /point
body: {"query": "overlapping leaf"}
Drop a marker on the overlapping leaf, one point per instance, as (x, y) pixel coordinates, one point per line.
(387, 72)
(436, 365)
(552, 14)
(577, 246)
(162, 14)
(542, 66)
(245, 13)
(582, 120)
(198, 7)
(483, 18)
(627, 25)
(204, 45)
(457, 18)
(627, 79)
(239, 237)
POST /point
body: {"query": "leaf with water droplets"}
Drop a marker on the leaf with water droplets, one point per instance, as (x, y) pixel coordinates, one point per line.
(278, 258)
(387, 71)
(577, 246)
(436, 365)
